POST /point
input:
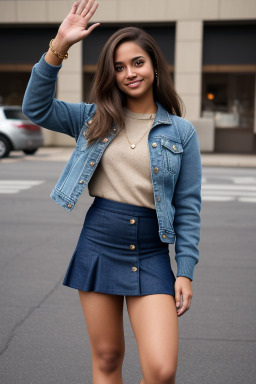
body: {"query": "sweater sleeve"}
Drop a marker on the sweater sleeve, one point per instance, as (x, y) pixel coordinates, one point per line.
(41, 107)
(187, 203)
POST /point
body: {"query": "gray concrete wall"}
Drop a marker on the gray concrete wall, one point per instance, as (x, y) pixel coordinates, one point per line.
(41, 11)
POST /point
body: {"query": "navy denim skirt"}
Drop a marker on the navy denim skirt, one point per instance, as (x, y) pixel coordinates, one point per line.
(119, 252)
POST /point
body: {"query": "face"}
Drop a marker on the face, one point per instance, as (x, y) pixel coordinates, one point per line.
(134, 71)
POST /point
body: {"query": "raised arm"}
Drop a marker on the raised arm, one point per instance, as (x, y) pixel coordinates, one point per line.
(39, 103)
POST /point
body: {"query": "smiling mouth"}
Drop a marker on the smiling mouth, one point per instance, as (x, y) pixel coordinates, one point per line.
(134, 84)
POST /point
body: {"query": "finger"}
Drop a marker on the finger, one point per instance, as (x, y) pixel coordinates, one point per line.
(90, 29)
(91, 11)
(177, 298)
(185, 305)
(87, 7)
(74, 8)
(181, 310)
(81, 6)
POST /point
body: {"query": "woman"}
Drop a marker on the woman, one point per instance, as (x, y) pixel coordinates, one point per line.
(141, 162)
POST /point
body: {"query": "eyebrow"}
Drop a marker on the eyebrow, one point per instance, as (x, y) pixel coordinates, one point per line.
(133, 59)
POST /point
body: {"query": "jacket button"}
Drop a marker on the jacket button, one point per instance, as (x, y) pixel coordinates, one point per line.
(81, 181)
(132, 221)
(69, 205)
(92, 163)
(174, 147)
(158, 199)
(154, 145)
(134, 269)
(156, 169)
(132, 246)
(164, 236)
(84, 133)
(105, 140)
(89, 122)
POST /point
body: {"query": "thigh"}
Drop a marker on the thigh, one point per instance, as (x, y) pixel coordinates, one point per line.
(104, 319)
(154, 321)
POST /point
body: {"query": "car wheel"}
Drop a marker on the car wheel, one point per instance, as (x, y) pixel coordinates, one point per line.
(5, 147)
(30, 151)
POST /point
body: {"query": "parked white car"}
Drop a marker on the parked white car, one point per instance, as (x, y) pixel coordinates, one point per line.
(17, 132)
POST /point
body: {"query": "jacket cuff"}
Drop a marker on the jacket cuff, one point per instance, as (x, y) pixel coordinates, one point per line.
(185, 266)
(46, 69)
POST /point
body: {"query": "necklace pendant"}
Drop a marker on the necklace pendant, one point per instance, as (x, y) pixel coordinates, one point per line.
(133, 146)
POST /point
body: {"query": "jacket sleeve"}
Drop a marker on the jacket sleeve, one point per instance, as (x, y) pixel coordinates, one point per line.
(40, 106)
(187, 204)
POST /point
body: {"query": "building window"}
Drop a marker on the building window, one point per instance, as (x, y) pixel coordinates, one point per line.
(230, 99)
(12, 86)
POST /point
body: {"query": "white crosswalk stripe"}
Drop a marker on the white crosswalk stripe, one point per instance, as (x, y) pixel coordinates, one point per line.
(247, 199)
(15, 186)
(244, 180)
(230, 187)
(241, 189)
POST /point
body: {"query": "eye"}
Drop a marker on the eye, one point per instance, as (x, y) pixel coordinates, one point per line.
(119, 68)
(138, 63)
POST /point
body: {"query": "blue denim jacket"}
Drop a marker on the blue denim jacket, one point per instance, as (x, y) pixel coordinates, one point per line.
(175, 160)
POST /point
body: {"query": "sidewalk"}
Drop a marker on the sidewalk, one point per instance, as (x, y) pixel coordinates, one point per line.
(228, 160)
(208, 159)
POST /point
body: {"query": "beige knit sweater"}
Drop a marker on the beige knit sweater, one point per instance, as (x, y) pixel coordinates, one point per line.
(123, 174)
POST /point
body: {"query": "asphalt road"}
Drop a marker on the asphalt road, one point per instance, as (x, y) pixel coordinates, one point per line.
(44, 338)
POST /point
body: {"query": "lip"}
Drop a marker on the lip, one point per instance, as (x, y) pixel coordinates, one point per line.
(134, 84)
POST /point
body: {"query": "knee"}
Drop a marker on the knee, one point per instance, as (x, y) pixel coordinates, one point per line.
(109, 359)
(166, 376)
(163, 374)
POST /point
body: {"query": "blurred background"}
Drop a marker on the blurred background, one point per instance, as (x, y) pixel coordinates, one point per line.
(209, 46)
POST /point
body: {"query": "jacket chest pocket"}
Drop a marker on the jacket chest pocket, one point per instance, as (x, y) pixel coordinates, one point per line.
(172, 153)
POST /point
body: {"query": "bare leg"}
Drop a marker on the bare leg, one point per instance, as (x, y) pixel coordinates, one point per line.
(154, 321)
(104, 318)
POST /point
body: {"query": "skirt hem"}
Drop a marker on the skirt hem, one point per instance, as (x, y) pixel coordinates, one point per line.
(119, 292)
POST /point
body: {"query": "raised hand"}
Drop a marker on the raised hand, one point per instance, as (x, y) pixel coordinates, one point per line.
(73, 27)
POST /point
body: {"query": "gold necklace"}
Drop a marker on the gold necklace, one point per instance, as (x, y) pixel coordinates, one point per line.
(133, 145)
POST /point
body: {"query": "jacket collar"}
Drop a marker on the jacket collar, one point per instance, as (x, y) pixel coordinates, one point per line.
(162, 116)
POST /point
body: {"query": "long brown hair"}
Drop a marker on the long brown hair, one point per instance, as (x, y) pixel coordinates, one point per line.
(107, 96)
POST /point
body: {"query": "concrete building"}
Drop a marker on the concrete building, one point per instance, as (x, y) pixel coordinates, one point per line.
(209, 46)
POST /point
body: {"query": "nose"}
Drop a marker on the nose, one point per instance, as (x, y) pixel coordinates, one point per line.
(130, 72)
